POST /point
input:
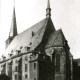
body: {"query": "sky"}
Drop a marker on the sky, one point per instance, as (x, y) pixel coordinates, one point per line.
(65, 15)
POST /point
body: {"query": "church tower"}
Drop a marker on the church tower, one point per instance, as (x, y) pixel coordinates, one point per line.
(13, 30)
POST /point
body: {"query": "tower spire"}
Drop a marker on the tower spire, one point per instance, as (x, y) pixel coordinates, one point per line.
(48, 10)
(13, 29)
(48, 5)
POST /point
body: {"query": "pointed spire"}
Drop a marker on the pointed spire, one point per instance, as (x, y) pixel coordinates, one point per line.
(48, 5)
(48, 10)
(13, 29)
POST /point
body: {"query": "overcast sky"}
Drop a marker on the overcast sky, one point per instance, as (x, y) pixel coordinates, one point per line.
(65, 15)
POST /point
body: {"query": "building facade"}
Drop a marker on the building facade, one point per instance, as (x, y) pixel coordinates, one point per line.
(38, 53)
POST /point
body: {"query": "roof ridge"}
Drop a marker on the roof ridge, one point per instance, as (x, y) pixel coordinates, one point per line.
(32, 26)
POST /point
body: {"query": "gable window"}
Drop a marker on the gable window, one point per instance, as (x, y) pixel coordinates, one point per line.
(34, 65)
(17, 52)
(25, 67)
(27, 48)
(25, 76)
(15, 77)
(16, 68)
(57, 62)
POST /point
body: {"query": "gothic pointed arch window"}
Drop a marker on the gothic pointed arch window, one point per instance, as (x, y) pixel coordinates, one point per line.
(57, 62)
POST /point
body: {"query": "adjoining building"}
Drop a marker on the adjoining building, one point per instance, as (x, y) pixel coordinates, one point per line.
(38, 53)
(76, 69)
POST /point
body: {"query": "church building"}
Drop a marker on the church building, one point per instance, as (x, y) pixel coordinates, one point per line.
(38, 53)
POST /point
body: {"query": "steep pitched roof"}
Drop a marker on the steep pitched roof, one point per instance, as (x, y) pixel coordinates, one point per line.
(56, 39)
(27, 37)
